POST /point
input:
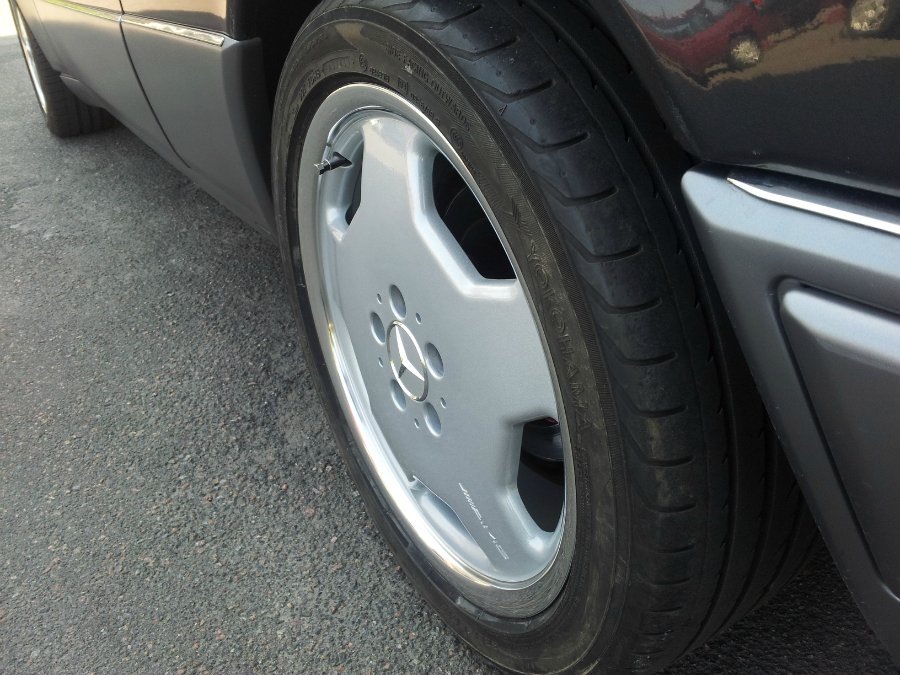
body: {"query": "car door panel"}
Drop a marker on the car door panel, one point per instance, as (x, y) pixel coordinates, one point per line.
(89, 48)
(216, 112)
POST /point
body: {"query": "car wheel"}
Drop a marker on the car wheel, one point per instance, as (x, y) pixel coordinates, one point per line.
(64, 113)
(508, 322)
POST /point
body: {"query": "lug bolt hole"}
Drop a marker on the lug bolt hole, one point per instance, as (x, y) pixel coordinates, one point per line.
(398, 304)
(377, 328)
(432, 420)
(398, 395)
(418, 318)
(380, 300)
(443, 403)
(434, 361)
(416, 422)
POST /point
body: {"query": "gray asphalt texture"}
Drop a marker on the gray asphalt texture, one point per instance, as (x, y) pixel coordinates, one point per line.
(170, 495)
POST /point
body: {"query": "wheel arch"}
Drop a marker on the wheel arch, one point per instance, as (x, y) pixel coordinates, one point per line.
(277, 24)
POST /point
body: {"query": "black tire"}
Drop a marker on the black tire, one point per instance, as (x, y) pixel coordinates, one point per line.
(65, 114)
(687, 514)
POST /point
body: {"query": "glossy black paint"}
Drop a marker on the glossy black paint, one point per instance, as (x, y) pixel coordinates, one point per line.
(816, 102)
(821, 100)
(813, 103)
(238, 19)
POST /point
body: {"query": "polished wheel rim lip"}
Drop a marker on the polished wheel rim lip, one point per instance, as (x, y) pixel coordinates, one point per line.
(511, 578)
(25, 41)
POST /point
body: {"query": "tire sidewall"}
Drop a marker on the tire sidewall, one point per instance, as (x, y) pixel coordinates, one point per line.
(341, 46)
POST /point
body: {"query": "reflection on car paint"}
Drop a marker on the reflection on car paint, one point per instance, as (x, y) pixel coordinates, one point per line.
(709, 39)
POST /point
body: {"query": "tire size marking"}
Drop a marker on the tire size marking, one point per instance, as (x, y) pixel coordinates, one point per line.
(484, 526)
(414, 68)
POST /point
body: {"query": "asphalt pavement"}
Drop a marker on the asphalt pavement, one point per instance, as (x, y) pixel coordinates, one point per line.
(170, 495)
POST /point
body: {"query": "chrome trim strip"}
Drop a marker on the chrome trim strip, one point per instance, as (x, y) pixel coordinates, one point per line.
(208, 37)
(775, 197)
(87, 9)
(205, 36)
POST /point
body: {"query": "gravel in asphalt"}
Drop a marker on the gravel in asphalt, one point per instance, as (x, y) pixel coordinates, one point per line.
(170, 495)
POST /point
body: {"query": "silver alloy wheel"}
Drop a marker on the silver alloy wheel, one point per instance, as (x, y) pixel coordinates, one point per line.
(25, 41)
(437, 367)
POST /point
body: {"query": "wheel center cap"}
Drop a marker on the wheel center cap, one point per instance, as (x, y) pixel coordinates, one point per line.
(407, 361)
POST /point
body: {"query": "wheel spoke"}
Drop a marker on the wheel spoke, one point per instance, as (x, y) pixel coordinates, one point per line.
(502, 529)
(396, 173)
(489, 336)
(495, 378)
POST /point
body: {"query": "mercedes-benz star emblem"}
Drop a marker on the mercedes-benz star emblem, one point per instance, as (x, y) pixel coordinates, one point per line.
(407, 361)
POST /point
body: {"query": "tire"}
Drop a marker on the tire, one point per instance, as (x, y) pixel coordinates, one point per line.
(64, 113)
(686, 515)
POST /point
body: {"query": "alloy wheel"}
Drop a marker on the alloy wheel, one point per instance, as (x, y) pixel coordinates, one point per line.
(28, 51)
(431, 340)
